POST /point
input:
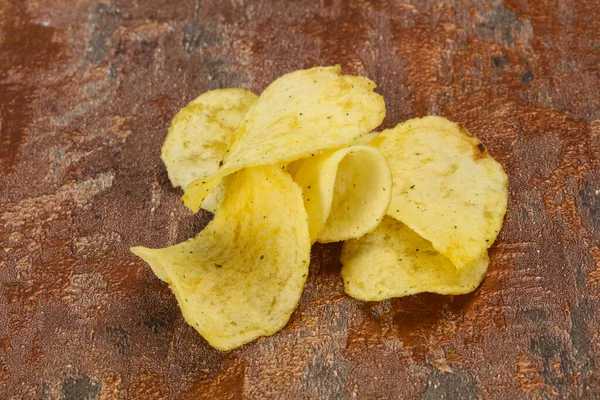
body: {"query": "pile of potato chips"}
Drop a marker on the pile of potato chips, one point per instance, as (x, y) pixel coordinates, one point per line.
(417, 205)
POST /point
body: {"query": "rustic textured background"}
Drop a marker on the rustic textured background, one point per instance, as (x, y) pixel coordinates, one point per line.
(87, 90)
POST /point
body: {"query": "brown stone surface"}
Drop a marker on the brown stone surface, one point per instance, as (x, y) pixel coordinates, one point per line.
(87, 90)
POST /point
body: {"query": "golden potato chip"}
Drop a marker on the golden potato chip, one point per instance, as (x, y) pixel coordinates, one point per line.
(201, 132)
(447, 188)
(300, 114)
(393, 261)
(346, 192)
(242, 276)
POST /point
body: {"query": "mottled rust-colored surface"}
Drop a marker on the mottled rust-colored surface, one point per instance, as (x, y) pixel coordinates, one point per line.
(87, 90)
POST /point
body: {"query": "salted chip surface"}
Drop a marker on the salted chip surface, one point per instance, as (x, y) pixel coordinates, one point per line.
(447, 188)
(394, 261)
(201, 132)
(346, 192)
(300, 114)
(242, 276)
(215, 198)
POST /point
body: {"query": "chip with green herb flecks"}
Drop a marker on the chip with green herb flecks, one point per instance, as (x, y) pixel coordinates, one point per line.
(242, 276)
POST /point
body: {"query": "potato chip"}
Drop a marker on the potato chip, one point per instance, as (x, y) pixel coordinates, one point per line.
(447, 188)
(201, 132)
(300, 114)
(242, 276)
(346, 192)
(393, 261)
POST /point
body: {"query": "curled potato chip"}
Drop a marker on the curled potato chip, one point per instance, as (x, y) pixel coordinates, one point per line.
(201, 132)
(393, 261)
(447, 188)
(346, 192)
(300, 114)
(242, 276)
